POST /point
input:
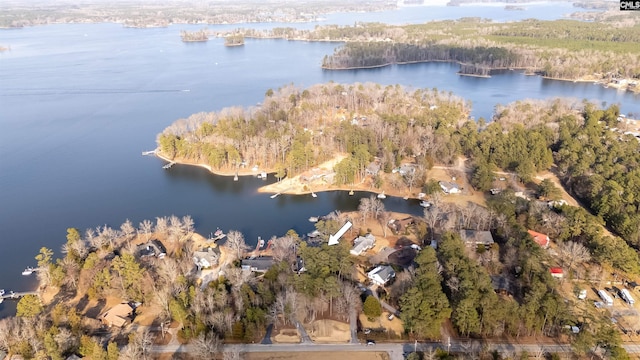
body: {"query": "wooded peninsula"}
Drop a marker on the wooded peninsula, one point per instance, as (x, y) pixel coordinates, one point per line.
(561, 49)
(513, 263)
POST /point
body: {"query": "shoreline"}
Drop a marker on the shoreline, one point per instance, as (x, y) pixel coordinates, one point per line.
(240, 172)
(293, 185)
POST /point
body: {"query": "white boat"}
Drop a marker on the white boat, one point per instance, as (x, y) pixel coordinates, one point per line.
(425, 204)
(274, 195)
(382, 196)
(1, 292)
(218, 235)
(27, 271)
(313, 219)
(351, 193)
(314, 194)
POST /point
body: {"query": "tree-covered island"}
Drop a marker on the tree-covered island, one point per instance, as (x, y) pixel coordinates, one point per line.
(564, 49)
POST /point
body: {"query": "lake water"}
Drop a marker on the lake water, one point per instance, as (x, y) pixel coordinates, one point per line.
(78, 104)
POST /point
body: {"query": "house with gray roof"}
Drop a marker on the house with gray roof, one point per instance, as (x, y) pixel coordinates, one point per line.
(381, 275)
(362, 244)
(475, 238)
(259, 264)
(206, 258)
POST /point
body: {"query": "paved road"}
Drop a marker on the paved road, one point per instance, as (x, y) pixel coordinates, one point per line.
(395, 350)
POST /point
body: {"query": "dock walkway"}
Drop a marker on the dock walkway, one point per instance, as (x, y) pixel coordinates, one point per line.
(17, 295)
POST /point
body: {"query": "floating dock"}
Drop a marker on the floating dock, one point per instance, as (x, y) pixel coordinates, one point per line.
(17, 295)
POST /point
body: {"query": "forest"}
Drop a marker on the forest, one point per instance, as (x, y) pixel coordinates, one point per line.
(564, 49)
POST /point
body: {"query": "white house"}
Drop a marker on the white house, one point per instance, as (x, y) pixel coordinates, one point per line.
(362, 244)
(381, 275)
(449, 188)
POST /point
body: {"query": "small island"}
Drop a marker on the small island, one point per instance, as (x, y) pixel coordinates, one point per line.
(234, 40)
(195, 36)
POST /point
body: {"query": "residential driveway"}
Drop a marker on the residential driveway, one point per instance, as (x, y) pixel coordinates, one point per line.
(382, 256)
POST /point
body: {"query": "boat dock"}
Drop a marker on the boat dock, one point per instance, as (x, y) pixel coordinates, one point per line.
(151, 152)
(169, 165)
(17, 295)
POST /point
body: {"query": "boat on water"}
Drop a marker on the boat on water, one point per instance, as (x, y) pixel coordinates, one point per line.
(1, 292)
(313, 219)
(274, 195)
(218, 235)
(28, 271)
(351, 193)
(425, 204)
(382, 196)
(314, 194)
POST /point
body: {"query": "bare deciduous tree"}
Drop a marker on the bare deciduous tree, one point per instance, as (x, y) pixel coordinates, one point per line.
(235, 243)
(284, 248)
(127, 229)
(573, 252)
(145, 228)
(205, 347)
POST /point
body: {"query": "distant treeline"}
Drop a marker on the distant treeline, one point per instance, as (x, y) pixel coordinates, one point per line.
(475, 61)
(564, 49)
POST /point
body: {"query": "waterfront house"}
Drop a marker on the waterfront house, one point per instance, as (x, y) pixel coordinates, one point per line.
(206, 258)
(449, 188)
(400, 225)
(539, 238)
(362, 244)
(373, 169)
(406, 169)
(151, 249)
(381, 275)
(475, 238)
(259, 264)
(119, 316)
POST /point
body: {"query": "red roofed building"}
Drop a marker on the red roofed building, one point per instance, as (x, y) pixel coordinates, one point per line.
(540, 239)
(557, 272)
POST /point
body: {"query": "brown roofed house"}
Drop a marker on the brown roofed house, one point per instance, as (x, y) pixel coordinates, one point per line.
(119, 315)
(540, 239)
(475, 237)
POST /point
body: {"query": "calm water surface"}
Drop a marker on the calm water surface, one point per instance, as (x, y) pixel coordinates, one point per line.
(78, 103)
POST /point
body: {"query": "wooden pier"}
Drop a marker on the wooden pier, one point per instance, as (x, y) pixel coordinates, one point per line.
(169, 165)
(17, 295)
